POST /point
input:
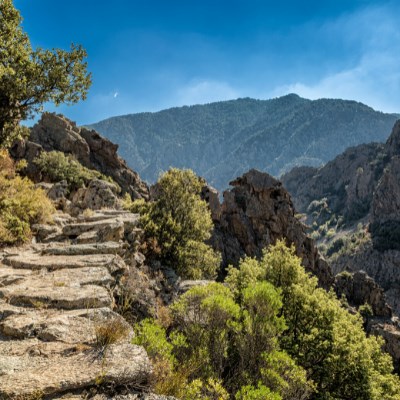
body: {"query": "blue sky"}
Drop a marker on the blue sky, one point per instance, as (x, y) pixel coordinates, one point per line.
(147, 55)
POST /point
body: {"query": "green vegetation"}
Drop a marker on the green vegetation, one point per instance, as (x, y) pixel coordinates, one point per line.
(177, 224)
(21, 205)
(56, 166)
(347, 244)
(29, 78)
(269, 333)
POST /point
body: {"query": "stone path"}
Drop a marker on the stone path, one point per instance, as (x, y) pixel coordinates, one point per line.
(59, 335)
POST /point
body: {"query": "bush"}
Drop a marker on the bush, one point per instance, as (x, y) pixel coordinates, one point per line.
(177, 224)
(55, 166)
(21, 204)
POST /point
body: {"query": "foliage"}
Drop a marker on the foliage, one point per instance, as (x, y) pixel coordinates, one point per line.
(177, 223)
(348, 243)
(212, 338)
(209, 390)
(260, 392)
(29, 78)
(21, 204)
(56, 166)
(269, 333)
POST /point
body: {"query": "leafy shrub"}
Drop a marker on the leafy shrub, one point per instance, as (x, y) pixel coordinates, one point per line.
(56, 166)
(177, 224)
(270, 333)
(217, 345)
(21, 204)
(322, 337)
(260, 392)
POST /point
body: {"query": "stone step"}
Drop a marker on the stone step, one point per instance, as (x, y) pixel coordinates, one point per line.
(61, 277)
(104, 214)
(10, 276)
(81, 249)
(76, 326)
(129, 221)
(62, 297)
(30, 259)
(30, 368)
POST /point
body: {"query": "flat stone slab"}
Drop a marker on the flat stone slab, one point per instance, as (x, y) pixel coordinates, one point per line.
(59, 368)
(76, 326)
(10, 276)
(82, 249)
(65, 297)
(32, 260)
(99, 215)
(129, 220)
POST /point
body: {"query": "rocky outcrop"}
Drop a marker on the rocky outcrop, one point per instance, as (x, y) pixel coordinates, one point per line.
(347, 183)
(60, 336)
(254, 214)
(55, 132)
(360, 289)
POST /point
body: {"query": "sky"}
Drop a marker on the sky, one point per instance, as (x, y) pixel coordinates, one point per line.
(148, 55)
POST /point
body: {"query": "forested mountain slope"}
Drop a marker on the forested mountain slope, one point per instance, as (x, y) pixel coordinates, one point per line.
(220, 141)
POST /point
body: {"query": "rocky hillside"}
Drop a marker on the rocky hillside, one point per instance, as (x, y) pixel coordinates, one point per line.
(221, 141)
(57, 133)
(352, 205)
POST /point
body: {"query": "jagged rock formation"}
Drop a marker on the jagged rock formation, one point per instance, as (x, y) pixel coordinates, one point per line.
(56, 312)
(361, 185)
(55, 132)
(254, 214)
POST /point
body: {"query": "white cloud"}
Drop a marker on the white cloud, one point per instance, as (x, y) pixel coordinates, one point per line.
(205, 91)
(375, 78)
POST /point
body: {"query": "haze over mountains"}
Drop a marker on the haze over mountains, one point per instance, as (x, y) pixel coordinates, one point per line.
(222, 140)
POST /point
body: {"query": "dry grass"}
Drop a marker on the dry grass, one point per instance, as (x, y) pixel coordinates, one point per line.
(110, 332)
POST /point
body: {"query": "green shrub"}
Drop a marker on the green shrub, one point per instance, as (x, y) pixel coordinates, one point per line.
(260, 392)
(177, 224)
(56, 166)
(21, 204)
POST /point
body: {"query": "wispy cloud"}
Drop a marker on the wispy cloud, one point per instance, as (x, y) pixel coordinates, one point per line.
(205, 91)
(375, 77)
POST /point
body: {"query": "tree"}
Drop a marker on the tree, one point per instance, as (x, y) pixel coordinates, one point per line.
(321, 336)
(177, 224)
(29, 78)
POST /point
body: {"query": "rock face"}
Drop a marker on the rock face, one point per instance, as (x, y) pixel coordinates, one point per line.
(361, 185)
(56, 312)
(55, 132)
(254, 214)
(360, 289)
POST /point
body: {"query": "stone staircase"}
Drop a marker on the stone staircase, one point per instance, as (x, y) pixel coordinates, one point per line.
(59, 335)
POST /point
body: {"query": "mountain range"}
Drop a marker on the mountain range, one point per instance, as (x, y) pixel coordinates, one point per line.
(222, 140)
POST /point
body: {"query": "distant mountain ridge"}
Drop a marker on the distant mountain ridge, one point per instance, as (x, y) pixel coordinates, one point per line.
(220, 141)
